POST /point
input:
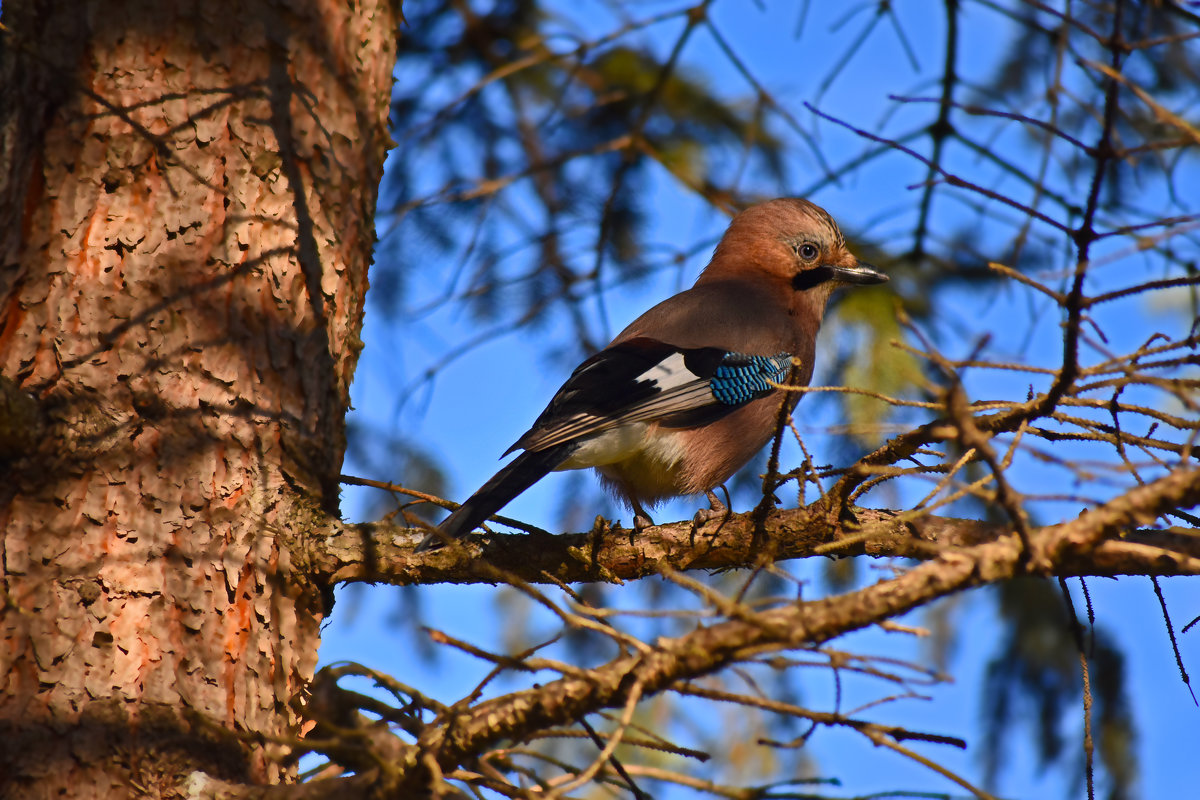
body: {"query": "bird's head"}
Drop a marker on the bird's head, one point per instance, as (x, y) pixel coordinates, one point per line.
(790, 242)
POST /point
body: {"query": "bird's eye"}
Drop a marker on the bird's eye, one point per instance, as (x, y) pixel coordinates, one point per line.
(808, 251)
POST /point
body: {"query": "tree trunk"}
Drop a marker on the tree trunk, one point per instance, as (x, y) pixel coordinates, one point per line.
(186, 219)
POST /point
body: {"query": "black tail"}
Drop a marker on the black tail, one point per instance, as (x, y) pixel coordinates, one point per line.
(525, 470)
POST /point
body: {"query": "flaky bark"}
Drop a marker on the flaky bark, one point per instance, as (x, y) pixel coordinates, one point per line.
(187, 196)
(956, 555)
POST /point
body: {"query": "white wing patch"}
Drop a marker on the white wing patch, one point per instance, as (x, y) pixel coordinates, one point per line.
(686, 395)
(669, 373)
(663, 389)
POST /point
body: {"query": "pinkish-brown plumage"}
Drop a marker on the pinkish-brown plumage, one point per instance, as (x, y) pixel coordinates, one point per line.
(675, 404)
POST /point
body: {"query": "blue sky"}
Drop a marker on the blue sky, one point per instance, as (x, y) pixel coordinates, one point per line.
(480, 402)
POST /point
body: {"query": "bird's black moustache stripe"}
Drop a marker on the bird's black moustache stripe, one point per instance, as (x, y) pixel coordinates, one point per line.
(811, 277)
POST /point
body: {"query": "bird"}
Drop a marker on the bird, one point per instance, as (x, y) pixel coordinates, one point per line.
(690, 391)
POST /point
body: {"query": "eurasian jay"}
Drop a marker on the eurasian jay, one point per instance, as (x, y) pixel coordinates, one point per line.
(686, 395)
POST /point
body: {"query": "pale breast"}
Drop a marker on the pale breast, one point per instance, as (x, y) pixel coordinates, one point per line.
(613, 445)
(693, 460)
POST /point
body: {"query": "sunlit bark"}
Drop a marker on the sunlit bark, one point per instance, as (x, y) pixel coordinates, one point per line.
(187, 206)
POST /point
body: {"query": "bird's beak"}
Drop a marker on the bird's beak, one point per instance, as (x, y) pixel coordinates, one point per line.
(860, 274)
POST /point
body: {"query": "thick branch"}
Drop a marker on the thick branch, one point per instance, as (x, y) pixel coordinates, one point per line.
(1062, 548)
(200, 786)
(381, 552)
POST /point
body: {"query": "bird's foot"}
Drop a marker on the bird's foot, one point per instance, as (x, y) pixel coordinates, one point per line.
(641, 521)
(641, 517)
(716, 510)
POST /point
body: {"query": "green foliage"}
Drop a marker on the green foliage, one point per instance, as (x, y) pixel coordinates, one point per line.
(877, 363)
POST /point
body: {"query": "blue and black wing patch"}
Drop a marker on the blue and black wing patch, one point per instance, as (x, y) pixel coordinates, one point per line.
(740, 378)
(643, 380)
(736, 379)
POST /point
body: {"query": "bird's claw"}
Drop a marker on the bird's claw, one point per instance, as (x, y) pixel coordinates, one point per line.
(716, 510)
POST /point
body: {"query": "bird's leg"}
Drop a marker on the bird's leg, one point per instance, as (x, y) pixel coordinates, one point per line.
(716, 509)
(641, 517)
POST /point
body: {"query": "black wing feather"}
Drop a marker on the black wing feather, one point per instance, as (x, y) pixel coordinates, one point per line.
(621, 384)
